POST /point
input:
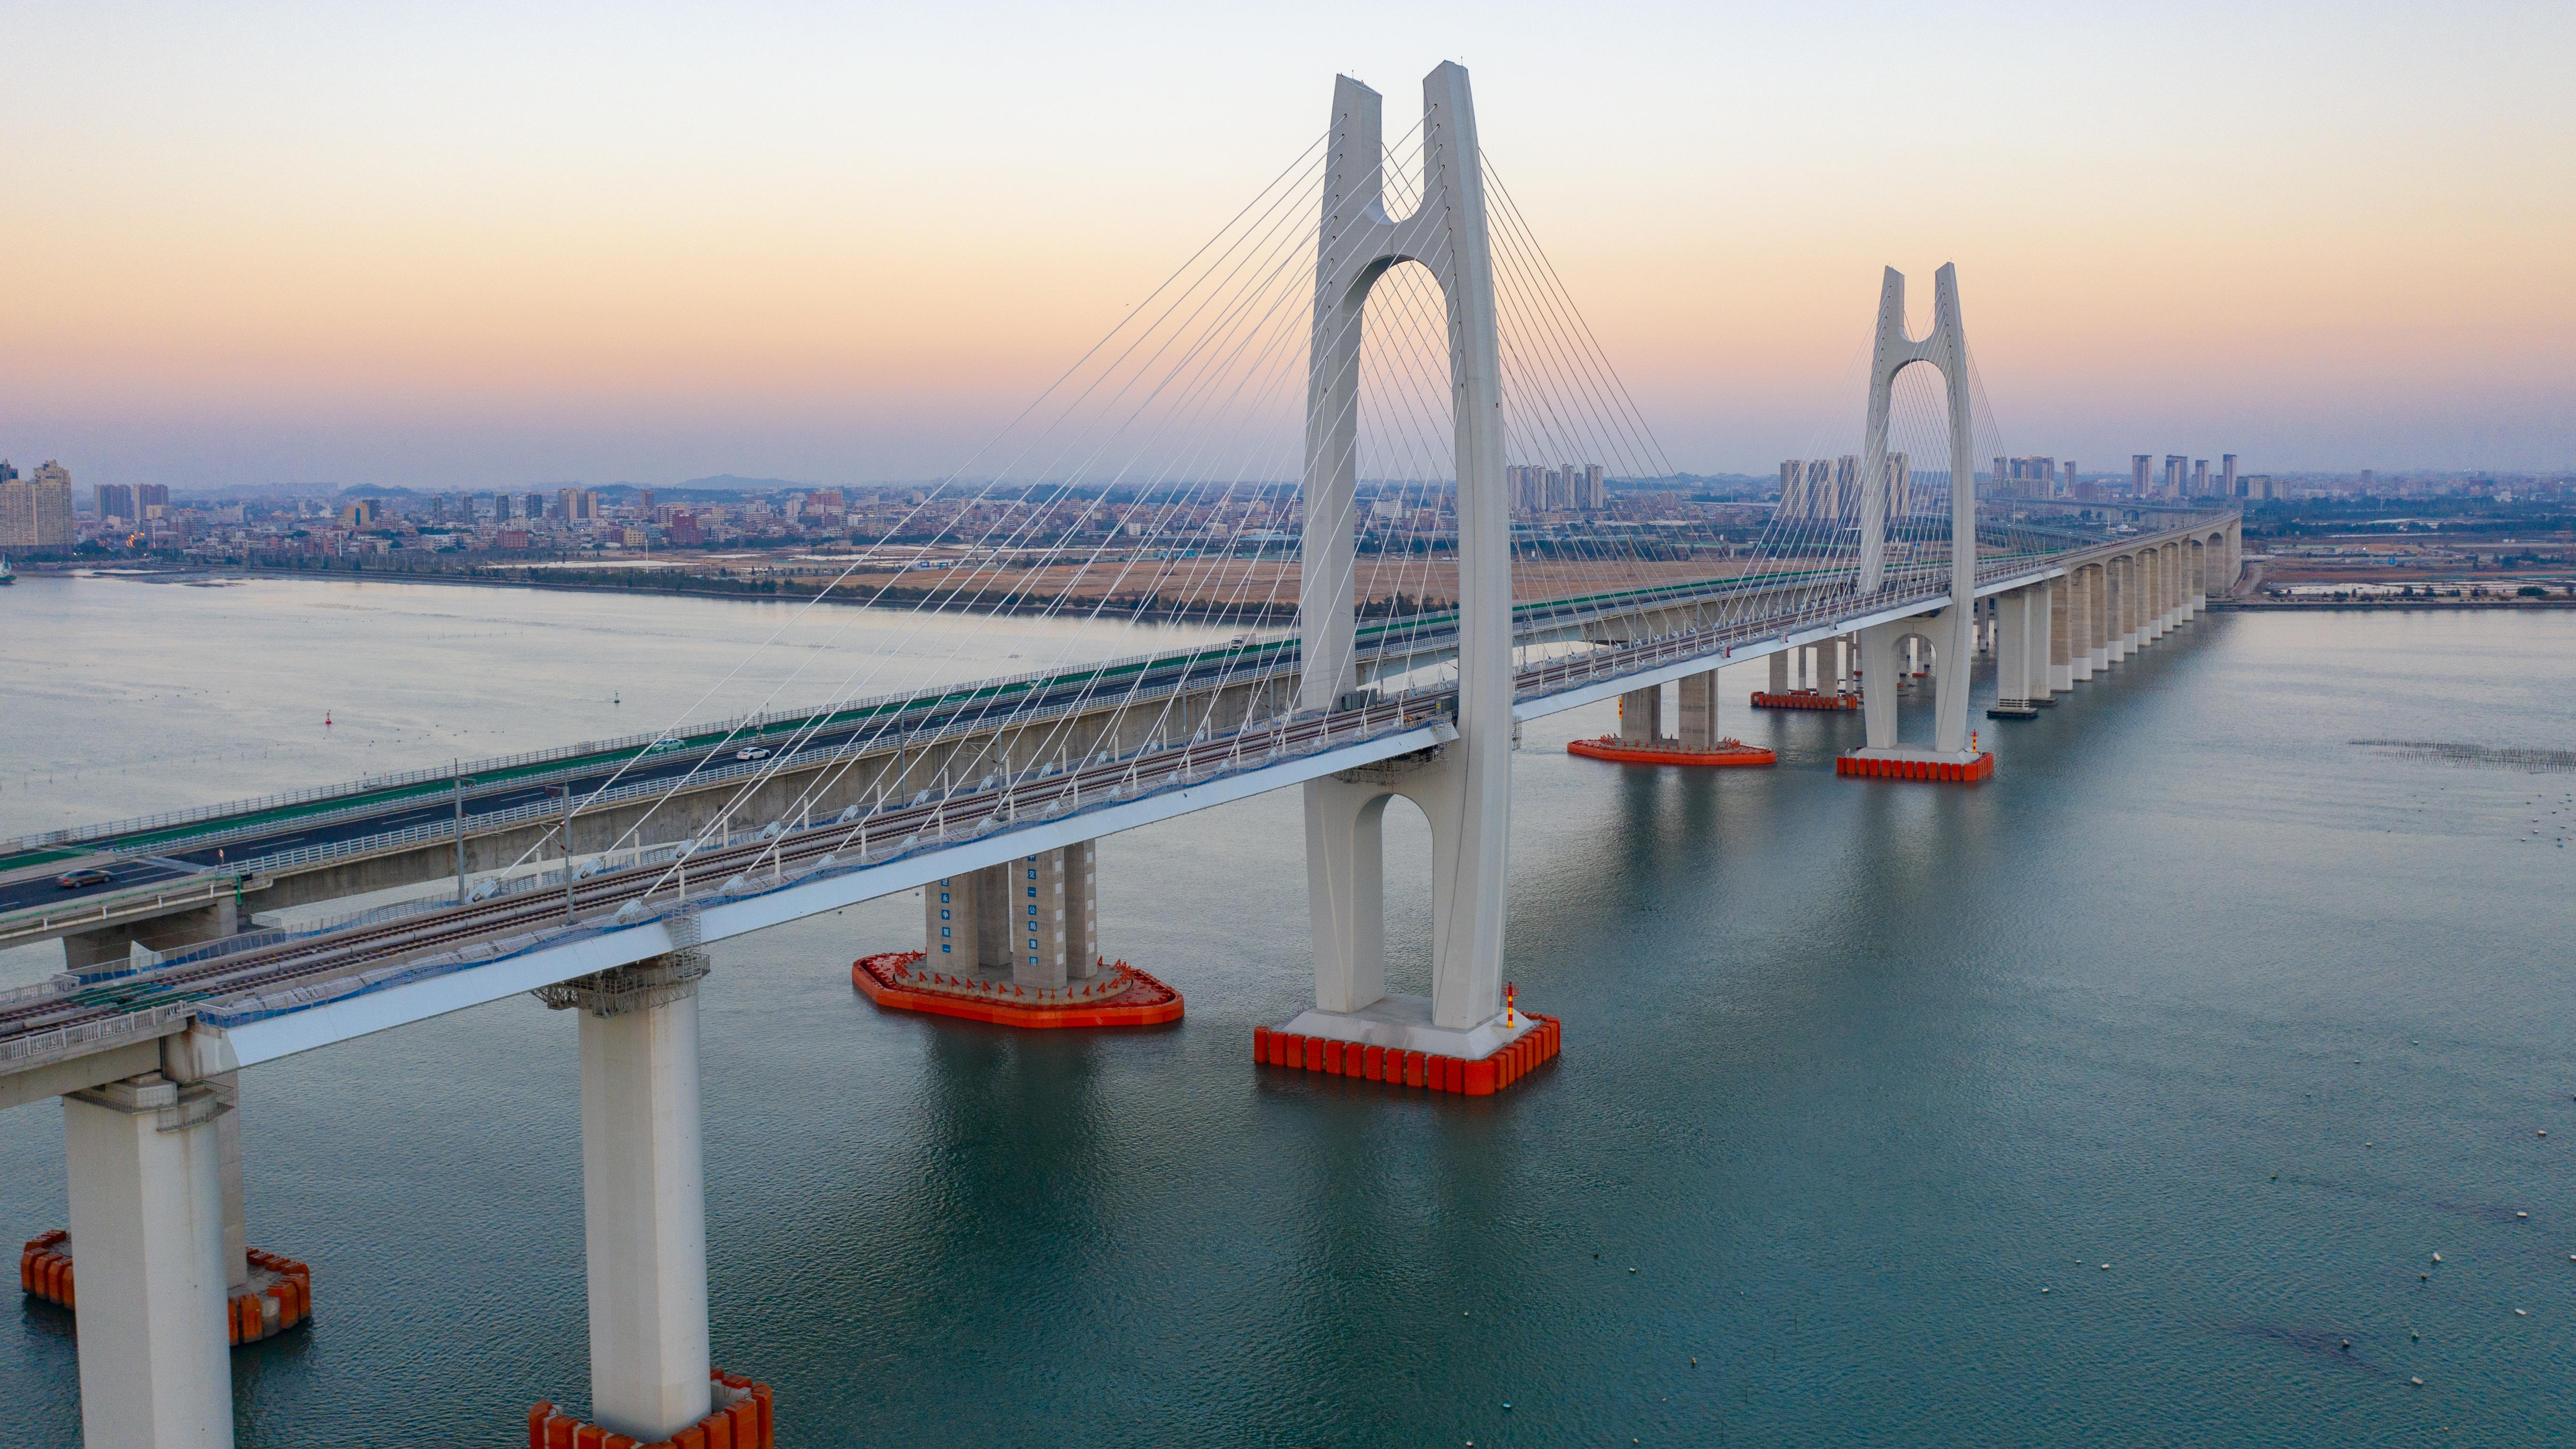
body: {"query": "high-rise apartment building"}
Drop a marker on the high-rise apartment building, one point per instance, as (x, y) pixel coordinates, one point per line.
(2066, 478)
(2174, 463)
(2227, 475)
(2369, 480)
(116, 500)
(148, 496)
(577, 505)
(533, 506)
(1820, 488)
(2200, 477)
(36, 511)
(2138, 465)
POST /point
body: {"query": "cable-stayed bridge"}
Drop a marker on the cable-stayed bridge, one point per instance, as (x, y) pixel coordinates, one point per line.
(1379, 325)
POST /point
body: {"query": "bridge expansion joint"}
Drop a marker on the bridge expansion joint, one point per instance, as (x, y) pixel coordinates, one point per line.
(621, 989)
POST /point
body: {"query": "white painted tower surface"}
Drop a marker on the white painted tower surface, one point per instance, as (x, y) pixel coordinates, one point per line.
(1952, 631)
(644, 1199)
(1466, 790)
(147, 1225)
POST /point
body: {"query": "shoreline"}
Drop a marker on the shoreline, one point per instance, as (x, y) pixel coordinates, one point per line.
(2265, 606)
(700, 586)
(1266, 612)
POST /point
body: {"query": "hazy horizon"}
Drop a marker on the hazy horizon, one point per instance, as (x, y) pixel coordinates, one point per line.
(450, 249)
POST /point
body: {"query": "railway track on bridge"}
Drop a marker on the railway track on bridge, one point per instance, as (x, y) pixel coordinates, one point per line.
(536, 912)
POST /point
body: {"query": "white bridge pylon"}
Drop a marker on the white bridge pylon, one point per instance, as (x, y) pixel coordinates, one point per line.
(1952, 632)
(1464, 787)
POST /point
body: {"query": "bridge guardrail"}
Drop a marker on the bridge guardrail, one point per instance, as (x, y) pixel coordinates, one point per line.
(148, 1022)
(436, 830)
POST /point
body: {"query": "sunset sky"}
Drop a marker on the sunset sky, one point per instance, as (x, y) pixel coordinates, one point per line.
(465, 246)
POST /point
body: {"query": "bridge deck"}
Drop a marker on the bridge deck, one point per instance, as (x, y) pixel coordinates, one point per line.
(286, 995)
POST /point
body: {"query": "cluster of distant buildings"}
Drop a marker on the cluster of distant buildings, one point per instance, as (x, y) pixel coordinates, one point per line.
(41, 512)
(1831, 487)
(1572, 488)
(1821, 488)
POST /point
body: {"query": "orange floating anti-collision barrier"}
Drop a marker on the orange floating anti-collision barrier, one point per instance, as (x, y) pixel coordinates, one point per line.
(1137, 1000)
(46, 1271)
(1728, 752)
(745, 1416)
(1480, 1077)
(1947, 771)
(1804, 699)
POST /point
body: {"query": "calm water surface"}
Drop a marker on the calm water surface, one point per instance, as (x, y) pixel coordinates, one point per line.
(2197, 989)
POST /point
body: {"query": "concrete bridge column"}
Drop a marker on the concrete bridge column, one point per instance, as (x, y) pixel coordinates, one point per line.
(2012, 651)
(147, 1225)
(2123, 577)
(1346, 891)
(2097, 618)
(643, 1177)
(2200, 564)
(1953, 671)
(1779, 663)
(2061, 623)
(2141, 606)
(1878, 652)
(1699, 711)
(2111, 569)
(1641, 716)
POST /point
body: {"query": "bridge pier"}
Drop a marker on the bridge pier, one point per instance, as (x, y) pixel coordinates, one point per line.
(1699, 726)
(2021, 653)
(1641, 716)
(1779, 667)
(2095, 635)
(643, 1191)
(1953, 663)
(644, 1217)
(147, 1216)
(2119, 577)
(1033, 921)
(1346, 902)
(2061, 654)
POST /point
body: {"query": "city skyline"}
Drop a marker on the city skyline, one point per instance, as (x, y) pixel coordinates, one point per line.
(410, 250)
